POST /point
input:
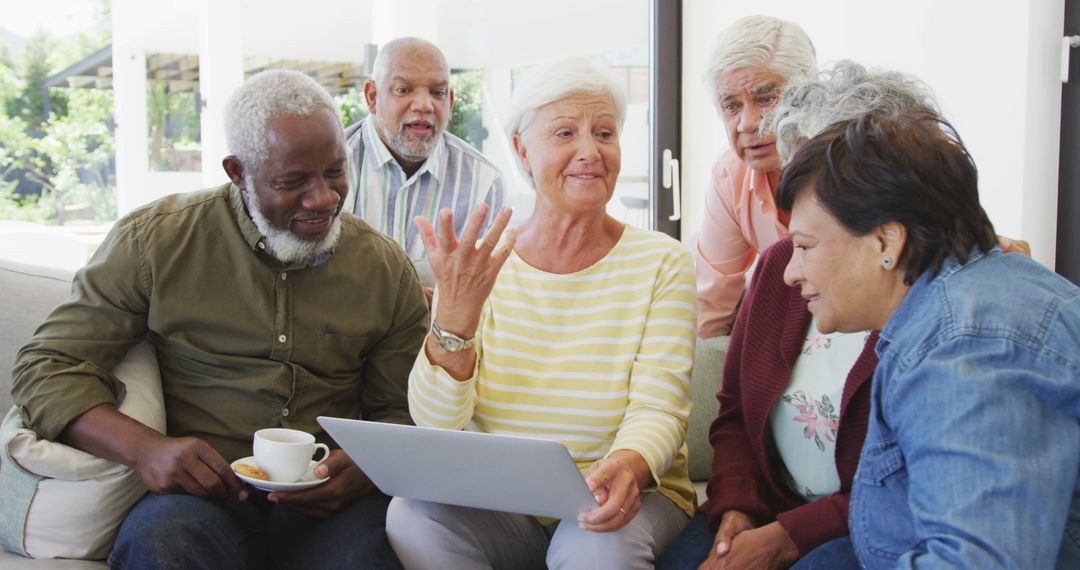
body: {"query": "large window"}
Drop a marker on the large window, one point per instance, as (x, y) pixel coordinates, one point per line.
(172, 106)
(168, 67)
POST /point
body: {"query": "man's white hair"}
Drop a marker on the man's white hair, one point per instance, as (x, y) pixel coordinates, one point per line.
(843, 91)
(760, 41)
(381, 66)
(547, 83)
(263, 98)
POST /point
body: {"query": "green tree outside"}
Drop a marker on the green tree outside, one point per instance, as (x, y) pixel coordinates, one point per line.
(66, 152)
(467, 119)
(69, 153)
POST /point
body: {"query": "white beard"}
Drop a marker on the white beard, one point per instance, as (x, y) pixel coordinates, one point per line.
(414, 150)
(283, 244)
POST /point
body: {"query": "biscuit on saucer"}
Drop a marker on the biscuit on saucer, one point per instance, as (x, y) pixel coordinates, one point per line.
(251, 471)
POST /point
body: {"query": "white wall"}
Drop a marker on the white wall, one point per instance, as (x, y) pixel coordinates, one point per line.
(993, 65)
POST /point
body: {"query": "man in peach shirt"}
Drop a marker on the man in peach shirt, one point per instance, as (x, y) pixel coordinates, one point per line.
(751, 62)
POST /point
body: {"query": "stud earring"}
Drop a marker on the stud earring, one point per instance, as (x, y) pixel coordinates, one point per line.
(887, 262)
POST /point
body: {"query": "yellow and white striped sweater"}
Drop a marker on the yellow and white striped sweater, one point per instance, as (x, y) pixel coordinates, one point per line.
(598, 360)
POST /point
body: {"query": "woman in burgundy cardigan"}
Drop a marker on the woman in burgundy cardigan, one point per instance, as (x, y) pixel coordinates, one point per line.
(746, 477)
(756, 517)
(762, 520)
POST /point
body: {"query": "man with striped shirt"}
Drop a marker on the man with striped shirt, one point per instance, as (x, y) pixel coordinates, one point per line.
(402, 162)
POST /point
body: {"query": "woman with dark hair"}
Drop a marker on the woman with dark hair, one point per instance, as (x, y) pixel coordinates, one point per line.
(979, 351)
(794, 402)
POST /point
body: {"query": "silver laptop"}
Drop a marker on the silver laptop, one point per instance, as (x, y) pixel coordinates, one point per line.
(488, 471)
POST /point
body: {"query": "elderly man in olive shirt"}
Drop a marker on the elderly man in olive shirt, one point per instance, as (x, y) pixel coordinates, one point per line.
(267, 307)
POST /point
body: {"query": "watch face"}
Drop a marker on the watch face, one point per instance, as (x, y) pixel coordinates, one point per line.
(450, 344)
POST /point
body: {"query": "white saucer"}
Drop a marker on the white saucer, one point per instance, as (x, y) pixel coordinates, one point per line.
(306, 482)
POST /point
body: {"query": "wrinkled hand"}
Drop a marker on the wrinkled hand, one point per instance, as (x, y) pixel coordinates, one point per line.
(1009, 245)
(465, 270)
(732, 523)
(187, 465)
(347, 483)
(766, 548)
(615, 481)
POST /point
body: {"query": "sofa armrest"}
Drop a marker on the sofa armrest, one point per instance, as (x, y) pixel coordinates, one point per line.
(31, 292)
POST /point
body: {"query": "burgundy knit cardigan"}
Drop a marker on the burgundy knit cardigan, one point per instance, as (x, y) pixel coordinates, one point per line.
(767, 337)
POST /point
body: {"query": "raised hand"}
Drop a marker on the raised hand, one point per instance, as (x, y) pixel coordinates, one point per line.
(465, 269)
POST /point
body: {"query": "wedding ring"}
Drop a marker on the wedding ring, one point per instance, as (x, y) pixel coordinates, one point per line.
(623, 511)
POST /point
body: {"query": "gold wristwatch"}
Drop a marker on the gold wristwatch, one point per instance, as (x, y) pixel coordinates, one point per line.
(449, 341)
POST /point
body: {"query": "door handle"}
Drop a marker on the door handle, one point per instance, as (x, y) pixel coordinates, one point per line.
(670, 179)
(1067, 43)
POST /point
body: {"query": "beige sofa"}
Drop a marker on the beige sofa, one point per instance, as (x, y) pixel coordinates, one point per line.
(28, 293)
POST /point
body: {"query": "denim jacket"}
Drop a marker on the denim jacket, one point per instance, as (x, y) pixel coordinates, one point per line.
(972, 454)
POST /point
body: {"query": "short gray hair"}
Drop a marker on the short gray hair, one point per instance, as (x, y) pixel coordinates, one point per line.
(381, 66)
(843, 91)
(760, 41)
(550, 82)
(264, 97)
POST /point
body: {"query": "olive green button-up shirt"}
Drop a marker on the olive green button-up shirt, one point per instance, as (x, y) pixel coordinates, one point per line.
(243, 341)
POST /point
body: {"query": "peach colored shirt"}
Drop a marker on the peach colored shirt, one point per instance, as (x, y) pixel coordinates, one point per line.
(740, 220)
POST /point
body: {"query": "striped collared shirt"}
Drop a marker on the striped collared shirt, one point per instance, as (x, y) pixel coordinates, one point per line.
(455, 176)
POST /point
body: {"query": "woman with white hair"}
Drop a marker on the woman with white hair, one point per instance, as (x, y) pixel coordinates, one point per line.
(575, 327)
(750, 63)
(794, 404)
(843, 90)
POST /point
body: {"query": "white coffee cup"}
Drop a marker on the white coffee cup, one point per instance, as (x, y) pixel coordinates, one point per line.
(285, 454)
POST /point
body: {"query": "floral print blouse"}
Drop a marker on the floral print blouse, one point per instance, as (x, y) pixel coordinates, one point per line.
(805, 419)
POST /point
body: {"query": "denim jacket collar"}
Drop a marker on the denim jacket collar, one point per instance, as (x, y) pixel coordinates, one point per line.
(923, 286)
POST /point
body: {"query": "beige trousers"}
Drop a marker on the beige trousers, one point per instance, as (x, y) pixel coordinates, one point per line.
(432, 535)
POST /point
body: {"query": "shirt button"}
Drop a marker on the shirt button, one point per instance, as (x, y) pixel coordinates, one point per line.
(285, 412)
(281, 338)
(284, 276)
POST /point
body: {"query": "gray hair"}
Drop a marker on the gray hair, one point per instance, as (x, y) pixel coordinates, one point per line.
(841, 92)
(381, 66)
(547, 83)
(760, 41)
(264, 97)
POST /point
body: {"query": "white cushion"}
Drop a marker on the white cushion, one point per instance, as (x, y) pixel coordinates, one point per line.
(76, 508)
